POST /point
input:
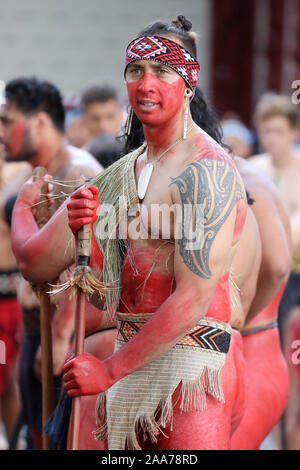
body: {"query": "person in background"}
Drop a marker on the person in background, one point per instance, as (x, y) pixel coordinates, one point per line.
(106, 149)
(277, 122)
(10, 314)
(32, 131)
(237, 136)
(77, 132)
(101, 110)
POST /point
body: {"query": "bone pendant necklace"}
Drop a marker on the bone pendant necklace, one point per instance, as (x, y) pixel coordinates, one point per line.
(146, 173)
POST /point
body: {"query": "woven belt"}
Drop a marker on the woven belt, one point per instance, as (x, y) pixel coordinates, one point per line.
(207, 334)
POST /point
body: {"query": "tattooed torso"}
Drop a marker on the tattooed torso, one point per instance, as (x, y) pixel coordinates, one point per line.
(210, 192)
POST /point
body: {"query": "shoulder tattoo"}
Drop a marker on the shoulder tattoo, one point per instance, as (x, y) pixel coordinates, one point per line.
(209, 190)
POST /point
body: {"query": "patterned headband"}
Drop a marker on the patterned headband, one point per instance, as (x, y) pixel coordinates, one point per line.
(167, 52)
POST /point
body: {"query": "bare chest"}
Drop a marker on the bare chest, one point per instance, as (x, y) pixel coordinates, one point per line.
(153, 217)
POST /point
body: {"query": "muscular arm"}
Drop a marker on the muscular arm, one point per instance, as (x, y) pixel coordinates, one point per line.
(41, 254)
(275, 236)
(44, 254)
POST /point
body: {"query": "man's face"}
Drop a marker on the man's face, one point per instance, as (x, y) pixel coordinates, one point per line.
(103, 117)
(276, 135)
(15, 134)
(155, 91)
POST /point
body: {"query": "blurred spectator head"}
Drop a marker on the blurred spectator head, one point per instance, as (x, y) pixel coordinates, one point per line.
(76, 129)
(101, 109)
(106, 149)
(33, 111)
(277, 122)
(238, 137)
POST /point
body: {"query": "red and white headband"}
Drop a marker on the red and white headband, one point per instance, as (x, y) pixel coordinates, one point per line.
(167, 52)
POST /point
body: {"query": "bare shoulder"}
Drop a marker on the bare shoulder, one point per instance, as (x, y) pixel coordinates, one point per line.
(262, 161)
(213, 170)
(253, 175)
(207, 148)
(262, 189)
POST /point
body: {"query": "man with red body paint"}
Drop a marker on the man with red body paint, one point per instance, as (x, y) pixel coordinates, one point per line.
(33, 131)
(185, 286)
(10, 314)
(266, 369)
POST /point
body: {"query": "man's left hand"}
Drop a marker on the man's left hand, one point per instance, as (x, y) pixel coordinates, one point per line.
(86, 375)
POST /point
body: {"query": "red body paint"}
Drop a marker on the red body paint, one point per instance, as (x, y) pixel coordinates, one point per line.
(142, 294)
(267, 381)
(209, 429)
(271, 311)
(208, 148)
(161, 121)
(14, 143)
(96, 255)
(219, 307)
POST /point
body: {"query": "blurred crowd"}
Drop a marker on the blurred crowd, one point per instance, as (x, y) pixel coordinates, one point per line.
(93, 122)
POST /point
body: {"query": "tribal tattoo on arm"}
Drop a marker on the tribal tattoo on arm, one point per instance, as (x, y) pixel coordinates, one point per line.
(209, 190)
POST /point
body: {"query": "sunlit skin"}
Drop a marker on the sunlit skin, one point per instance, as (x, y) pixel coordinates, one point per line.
(190, 298)
(103, 117)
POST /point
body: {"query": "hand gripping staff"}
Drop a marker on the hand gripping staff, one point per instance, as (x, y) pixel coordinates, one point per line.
(83, 259)
(42, 216)
(86, 284)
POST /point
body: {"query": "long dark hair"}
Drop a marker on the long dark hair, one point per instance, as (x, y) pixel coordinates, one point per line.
(201, 112)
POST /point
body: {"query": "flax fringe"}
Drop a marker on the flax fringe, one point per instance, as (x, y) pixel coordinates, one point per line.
(115, 184)
(84, 278)
(192, 394)
(141, 403)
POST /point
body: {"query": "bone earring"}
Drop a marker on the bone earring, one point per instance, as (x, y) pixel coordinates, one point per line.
(129, 122)
(187, 94)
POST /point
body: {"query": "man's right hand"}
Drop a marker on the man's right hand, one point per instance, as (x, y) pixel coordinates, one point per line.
(83, 208)
(30, 192)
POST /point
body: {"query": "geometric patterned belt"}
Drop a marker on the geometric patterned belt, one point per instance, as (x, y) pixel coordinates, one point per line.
(208, 334)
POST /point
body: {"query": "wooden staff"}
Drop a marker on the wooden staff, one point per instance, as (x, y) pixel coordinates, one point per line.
(42, 216)
(81, 271)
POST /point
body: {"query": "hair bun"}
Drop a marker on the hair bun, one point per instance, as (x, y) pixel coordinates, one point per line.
(183, 23)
